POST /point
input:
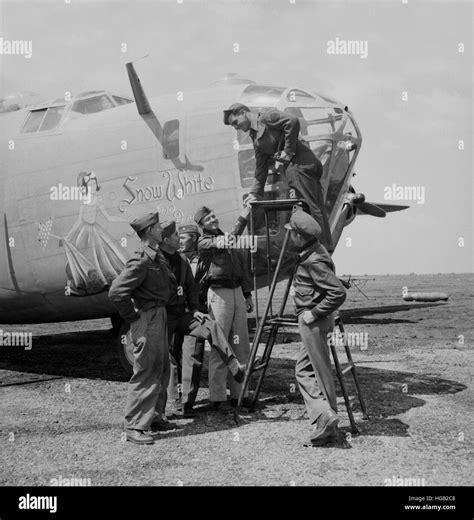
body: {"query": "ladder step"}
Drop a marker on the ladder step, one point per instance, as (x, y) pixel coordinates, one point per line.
(347, 369)
(280, 204)
(255, 368)
(282, 321)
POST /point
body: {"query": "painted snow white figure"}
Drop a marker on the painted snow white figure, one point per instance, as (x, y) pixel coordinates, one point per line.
(93, 259)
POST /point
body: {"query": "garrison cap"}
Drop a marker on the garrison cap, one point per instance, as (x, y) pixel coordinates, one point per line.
(233, 109)
(188, 228)
(304, 224)
(201, 213)
(169, 227)
(141, 223)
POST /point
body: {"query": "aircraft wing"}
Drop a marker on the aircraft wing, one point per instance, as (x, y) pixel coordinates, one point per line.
(385, 309)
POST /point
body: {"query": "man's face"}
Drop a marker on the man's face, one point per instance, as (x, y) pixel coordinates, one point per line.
(173, 241)
(240, 121)
(187, 242)
(156, 232)
(210, 222)
(298, 239)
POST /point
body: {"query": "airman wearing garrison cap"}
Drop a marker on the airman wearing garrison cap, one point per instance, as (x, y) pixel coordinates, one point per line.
(140, 293)
(141, 223)
(229, 299)
(318, 293)
(185, 318)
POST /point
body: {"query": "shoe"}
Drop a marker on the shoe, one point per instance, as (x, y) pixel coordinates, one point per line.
(222, 407)
(175, 407)
(188, 412)
(240, 375)
(139, 437)
(162, 425)
(325, 429)
(246, 403)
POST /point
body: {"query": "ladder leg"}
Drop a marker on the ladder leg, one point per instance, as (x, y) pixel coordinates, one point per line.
(265, 359)
(340, 376)
(261, 324)
(365, 415)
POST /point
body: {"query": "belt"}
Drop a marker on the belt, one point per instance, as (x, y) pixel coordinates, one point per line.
(227, 284)
(151, 305)
(176, 310)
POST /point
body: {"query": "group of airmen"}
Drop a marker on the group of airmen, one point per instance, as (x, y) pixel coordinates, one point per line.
(184, 286)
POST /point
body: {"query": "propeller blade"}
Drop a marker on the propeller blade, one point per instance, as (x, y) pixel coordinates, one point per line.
(371, 209)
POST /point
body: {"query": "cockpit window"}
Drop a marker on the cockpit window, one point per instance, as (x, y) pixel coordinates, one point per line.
(34, 120)
(296, 95)
(92, 105)
(316, 121)
(121, 100)
(261, 95)
(43, 119)
(52, 118)
(171, 139)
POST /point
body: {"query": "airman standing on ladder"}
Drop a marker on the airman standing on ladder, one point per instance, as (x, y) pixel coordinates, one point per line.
(275, 139)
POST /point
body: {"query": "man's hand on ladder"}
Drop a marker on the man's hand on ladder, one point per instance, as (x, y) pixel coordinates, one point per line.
(249, 304)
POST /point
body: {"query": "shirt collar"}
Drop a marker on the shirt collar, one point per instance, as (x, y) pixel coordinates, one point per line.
(308, 248)
(254, 122)
(151, 252)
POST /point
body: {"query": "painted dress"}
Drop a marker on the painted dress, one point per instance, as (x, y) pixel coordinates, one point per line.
(93, 260)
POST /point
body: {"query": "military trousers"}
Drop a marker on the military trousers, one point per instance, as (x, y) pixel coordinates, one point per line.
(228, 308)
(187, 356)
(147, 386)
(304, 179)
(313, 368)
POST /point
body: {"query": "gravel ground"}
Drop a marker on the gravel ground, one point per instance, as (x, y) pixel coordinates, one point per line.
(416, 376)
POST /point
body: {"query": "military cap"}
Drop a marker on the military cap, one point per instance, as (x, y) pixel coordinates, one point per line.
(141, 223)
(201, 213)
(233, 109)
(188, 228)
(304, 224)
(169, 227)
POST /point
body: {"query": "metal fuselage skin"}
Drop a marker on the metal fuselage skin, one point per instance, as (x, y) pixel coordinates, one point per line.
(134, 177)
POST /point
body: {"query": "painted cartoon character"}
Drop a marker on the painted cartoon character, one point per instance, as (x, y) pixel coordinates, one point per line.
(93, 259)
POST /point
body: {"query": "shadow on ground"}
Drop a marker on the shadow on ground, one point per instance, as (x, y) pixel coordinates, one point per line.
(92, 355)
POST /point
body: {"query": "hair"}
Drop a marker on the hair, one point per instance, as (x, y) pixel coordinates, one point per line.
(83, 180)
(142, 232)
(239, 110)
(192, 234)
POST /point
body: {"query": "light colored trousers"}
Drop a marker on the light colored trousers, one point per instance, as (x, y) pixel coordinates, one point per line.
(151, 369)
(228, 308)
(313, 368)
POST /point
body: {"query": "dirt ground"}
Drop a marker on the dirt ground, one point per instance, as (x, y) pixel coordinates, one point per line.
(62, 404)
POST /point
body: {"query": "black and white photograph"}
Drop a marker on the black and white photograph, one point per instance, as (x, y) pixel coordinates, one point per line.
(236, 248)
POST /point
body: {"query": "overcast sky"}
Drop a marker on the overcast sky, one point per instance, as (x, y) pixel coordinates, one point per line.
(412, 47)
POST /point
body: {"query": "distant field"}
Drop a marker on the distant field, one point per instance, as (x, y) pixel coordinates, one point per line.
(416, 375)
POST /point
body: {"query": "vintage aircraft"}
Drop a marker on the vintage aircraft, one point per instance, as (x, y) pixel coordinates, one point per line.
(76, 171)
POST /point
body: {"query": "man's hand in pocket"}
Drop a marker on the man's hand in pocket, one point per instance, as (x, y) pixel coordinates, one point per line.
(138, 331)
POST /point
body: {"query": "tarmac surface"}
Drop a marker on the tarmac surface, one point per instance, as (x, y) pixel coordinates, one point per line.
(62, 404)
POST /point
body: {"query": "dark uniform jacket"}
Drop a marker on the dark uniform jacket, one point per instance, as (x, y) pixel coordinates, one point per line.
(277, 131)
(184, 291)
(317, 289)
(146, 279)
(226, 267)
(199, 269)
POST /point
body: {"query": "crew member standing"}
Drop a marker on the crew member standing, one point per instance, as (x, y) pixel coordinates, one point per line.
(139, 293)
(185, 318)
(193, 348)
(229, 299)
(275, 138)
(318, 293)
